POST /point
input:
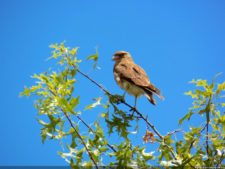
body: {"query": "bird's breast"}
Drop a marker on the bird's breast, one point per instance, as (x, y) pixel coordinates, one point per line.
(127, 86)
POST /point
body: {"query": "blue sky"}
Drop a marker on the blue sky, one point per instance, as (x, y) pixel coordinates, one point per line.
(174, 41)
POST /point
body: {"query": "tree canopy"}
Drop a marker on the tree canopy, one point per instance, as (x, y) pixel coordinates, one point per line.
(93, 144)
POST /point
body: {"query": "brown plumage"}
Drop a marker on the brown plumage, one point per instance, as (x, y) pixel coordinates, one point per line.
(132, 78)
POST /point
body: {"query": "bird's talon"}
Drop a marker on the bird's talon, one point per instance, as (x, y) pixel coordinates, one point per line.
(133, 109)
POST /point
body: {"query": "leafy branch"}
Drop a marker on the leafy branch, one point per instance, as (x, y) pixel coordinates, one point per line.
(140, 115)
(57, 102)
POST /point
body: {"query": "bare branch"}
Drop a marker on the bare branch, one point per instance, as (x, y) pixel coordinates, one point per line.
(175, 131)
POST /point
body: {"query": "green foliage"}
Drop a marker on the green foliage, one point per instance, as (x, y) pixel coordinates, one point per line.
(94, 57)
(89, 145)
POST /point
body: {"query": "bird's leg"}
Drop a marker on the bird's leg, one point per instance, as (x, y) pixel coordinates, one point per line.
(135, 102)
(133, 109)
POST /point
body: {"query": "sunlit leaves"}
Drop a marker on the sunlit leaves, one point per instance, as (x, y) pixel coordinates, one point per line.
(94, 57)
(49, 129)
(202, 99)
(124, 157)
(58, 107)
(74, 102)
(186, 117)
(206, 103)
(220, 87)
(26, 92)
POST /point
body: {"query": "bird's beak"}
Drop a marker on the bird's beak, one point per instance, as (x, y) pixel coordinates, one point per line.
(115, 58)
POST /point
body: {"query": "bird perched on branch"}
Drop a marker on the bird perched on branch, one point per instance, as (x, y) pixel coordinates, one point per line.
(132, 78)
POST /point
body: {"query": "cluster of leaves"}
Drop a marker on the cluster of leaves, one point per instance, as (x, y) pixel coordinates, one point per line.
(57, 103)
(205, 143)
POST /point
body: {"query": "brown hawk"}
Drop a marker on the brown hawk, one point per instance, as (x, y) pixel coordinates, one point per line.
(132, 78)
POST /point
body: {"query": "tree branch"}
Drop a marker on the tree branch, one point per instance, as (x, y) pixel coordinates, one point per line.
(175, 131)
(131, 107)
(207, 124)
(207, 139)
(123, 102)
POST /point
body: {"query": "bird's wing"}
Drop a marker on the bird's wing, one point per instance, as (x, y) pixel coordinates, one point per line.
(132, 73)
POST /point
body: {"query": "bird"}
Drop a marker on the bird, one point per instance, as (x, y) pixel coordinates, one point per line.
(132, 78)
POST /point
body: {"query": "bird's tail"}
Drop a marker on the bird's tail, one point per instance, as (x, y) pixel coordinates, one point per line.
(150, 98)
(150, 90)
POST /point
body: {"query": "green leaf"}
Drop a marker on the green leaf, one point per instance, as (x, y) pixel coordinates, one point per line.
(44, 132)
(93, 105)
(73, 51)
(94, 57)
(26, 92)
(186, 117)
(73, 72)
(202, 83)
(220, 87)
(74, 102)
(193, 95)
(147, 156)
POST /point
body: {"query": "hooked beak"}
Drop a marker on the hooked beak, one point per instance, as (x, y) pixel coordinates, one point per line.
(115, 58)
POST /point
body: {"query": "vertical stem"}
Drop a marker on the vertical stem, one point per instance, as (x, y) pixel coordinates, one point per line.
(207, 139)
(207, 124)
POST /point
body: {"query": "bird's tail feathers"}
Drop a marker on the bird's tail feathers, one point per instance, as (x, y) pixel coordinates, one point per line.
(152, 89)
(150, 98)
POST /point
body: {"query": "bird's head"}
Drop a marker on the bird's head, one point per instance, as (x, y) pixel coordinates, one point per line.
(121, 55)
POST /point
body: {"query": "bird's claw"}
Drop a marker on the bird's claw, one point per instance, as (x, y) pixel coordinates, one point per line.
(133, 109)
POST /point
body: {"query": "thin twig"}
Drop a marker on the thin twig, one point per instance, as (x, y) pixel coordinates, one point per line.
(175, 131)
(93, 81)
(203, 128)
(207, 125)
(207, 138)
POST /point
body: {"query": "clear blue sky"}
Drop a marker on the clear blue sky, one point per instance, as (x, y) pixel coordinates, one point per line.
(174, 41)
